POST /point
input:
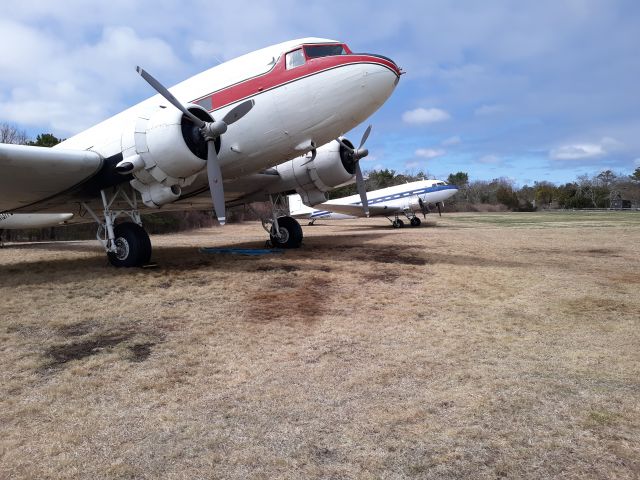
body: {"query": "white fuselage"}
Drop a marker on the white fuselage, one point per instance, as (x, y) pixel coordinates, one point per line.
(293, 111)
(386, 201)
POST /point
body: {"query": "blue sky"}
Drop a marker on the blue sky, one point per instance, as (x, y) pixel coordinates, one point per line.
(544, 90)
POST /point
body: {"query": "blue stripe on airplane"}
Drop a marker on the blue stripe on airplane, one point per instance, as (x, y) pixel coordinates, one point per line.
(408, 193)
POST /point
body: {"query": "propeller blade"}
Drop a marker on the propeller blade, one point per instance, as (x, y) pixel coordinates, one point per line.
(365, 136)
(351, 150)
(215, 182)
(439, 208)
(423, 208)
(168, 96)
(362, 190)
(237, 112)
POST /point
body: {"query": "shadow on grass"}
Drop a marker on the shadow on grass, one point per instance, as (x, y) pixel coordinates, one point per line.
(322, 248)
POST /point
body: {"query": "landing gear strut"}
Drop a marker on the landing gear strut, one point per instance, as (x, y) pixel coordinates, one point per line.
(284, 231)
(127, 244)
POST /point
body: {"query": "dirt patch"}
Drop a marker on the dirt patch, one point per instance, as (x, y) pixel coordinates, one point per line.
(61, 354)
(140, 351)
(390, 256)
(598, 251)
(290, 301)
(278, 267)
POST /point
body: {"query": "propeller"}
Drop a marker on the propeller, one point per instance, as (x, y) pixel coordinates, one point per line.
(210, 131)
(356, 155)
(423, 208)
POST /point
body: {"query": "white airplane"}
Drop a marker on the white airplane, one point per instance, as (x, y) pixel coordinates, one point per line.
(407, 200)
(247, 130)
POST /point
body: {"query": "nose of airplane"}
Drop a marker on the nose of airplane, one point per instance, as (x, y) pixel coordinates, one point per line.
(382, 77)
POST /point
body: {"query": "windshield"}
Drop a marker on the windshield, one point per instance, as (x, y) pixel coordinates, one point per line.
(315, 51)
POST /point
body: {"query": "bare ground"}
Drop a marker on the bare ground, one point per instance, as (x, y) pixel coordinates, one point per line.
(480, 346)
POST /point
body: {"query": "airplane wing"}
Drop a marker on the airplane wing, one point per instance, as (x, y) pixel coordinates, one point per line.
(33, 174)
(355, 210)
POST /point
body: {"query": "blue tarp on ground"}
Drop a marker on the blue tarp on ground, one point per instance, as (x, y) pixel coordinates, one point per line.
(242, 251)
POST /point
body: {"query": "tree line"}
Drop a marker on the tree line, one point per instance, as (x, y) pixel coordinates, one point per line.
(602, 190)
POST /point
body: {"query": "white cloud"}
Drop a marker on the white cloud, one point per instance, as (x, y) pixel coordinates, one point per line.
(581, 151)
(577, 152)
(76, 85)
(425, 115)
(636, 162)
(429, 152)
(456, 140)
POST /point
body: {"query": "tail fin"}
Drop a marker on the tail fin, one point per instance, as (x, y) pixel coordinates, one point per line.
(297, 208)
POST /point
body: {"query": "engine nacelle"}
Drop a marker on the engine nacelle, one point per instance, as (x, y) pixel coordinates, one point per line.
(414, 203)
(312, 176)
(164, 152)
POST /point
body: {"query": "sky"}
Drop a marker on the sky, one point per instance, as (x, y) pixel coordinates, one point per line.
(528, 91)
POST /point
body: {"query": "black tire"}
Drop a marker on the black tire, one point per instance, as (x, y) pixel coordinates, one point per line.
(415, 222)
(398, 223)
(134, 246)
(291, 232)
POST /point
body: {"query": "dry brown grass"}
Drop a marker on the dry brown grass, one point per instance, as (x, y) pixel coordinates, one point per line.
(465, 349)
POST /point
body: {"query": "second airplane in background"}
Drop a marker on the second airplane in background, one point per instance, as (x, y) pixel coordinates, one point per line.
(401, 200)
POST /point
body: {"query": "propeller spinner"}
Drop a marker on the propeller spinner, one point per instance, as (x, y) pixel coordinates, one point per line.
(210, 131)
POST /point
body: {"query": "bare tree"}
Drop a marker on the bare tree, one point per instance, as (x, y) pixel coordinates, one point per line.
(10, 134)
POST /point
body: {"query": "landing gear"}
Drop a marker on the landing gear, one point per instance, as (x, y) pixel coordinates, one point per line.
(127, 244)
(133, 247)
(289, 233)
(415, 221)
(397, 223)
(284, 231)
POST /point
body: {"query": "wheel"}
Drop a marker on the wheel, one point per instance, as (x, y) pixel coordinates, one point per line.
(415, 222)
(398, 223)
(133, 247)
(290, 233)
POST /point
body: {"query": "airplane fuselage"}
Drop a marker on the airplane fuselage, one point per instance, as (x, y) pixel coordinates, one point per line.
(296, 107)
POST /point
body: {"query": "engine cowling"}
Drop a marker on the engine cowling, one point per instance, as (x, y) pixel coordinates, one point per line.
(414, 203)
(164, 152)
(312, 175)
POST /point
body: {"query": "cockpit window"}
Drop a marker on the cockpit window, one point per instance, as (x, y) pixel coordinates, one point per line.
(315, 51)
(295, 59)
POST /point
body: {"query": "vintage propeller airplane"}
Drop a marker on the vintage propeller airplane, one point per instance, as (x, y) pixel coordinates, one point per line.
(400, 200)
(247, 130)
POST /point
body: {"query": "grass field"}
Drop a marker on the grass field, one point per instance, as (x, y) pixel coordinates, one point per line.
(476, 346)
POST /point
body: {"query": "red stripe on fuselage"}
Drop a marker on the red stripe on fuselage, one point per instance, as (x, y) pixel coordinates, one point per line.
(279, 75)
